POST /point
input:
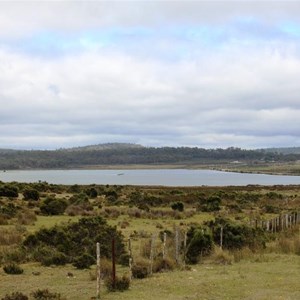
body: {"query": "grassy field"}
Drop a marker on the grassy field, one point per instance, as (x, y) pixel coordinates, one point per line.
(268, 276)
(270, 273)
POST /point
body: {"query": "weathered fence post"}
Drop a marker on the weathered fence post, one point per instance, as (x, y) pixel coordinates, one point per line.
(130, 258)
(221, 237)
(164, 253)
(152, 253)
(267, 225)
(113, 257)
(98, 270)
(184, 247)
(176, 246)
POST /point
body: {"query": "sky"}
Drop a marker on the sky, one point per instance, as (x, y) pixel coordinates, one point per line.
(209, 74)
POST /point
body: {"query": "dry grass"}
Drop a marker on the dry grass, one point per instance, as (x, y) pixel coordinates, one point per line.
(10, 236)
(287, 243)
(221, 257)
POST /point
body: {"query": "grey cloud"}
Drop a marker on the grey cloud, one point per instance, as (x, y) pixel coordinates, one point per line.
(19, 18)
(243, 92)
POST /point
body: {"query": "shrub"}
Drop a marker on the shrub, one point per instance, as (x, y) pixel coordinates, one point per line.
(140, 269)
(237, 236)
(13, 269)
(8, 190)
(54, 258)
(123, 259)
(31, 194)
(73, 238)
(121, 284)
(92, 192)
(106, 268)
(45, 294)
(52, 206)
(84, 261)
(13, 254)
(79, 199)
(161, 265)
(177, 206)
(200, 242)
(8, 210)
(15, 296)
(211, 204)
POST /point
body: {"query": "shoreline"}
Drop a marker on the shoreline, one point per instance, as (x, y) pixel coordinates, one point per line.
(210, 167)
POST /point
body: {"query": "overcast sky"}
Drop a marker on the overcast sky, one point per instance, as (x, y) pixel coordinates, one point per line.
(157, 73)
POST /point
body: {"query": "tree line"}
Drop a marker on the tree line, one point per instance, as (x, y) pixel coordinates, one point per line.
(66, 158)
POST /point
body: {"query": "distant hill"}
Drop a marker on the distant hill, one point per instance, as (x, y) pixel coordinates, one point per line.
(106, 146)
(131, 154)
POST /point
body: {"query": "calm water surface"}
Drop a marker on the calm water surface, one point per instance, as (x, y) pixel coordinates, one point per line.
(164, 177)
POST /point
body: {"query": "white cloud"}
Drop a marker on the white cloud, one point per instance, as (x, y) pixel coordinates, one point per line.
(212, 87)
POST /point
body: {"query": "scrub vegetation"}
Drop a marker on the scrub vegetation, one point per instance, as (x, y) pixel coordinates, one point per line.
(181, 243)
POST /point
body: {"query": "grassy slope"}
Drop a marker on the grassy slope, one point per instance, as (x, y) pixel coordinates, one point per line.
(266, 277)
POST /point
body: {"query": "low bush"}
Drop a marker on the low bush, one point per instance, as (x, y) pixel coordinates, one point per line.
(53, 206)
(56, 258)
(13, 269)
(162, 265)
(73, 238)
(210, 204)
(45, 294)
(236, 235)
(12, 254)
(84, 261)
(177, 206)
(120, 284)
(31, 194)
(8, 190)
(15, 296)
(140, 268)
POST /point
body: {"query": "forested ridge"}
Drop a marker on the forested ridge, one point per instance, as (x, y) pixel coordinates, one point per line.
(114, 154)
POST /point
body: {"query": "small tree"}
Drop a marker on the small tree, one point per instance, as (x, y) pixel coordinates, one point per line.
(31, 194)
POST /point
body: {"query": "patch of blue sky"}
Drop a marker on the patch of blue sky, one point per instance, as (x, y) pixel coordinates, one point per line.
(292, 29)
(49, 43)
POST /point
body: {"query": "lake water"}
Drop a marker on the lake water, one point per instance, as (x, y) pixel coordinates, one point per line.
(163, 177)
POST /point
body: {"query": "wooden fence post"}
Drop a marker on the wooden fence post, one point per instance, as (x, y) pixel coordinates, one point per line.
(176, 246)
(130, 259)
(152, 253)
(184, 247)
(221, 238)
(267, 225)
(98, 270)
(164, 253)
(113, 256)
